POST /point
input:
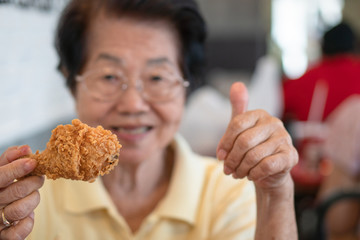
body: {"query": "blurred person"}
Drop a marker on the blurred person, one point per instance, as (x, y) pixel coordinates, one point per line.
(308, 102)
(341, 147)
(128, 64)
(310, 99)
(338, 70)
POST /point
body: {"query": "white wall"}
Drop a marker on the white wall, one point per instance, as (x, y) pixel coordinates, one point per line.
(32, 93)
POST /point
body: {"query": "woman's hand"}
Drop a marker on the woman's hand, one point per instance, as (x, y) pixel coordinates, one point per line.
(19, 194)
(256, 145)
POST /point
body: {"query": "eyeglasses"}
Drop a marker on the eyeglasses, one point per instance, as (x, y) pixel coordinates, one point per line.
(155, 85)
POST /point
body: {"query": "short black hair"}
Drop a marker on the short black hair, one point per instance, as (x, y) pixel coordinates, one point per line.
(338, 39)
(76, 18)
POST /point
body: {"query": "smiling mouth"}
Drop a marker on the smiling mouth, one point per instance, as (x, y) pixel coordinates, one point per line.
(132, 130)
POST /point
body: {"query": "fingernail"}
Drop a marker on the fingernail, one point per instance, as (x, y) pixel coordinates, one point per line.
(221, 155)
(23, 149)
(227, 170)
(32, 215)
(29, 164)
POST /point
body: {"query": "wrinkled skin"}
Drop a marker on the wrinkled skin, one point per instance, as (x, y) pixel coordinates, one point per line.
(18, 199)
(256, 145)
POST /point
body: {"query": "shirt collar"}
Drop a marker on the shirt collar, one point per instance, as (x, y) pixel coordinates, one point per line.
(84, 197)
(80, 197)
(183, 196)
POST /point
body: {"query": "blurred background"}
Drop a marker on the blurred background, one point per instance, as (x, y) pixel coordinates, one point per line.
(259, 42)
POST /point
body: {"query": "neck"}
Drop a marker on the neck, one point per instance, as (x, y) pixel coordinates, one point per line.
(142, 179)
(137, 189)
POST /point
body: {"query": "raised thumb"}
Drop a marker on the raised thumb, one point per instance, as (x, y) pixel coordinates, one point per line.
(239, 98)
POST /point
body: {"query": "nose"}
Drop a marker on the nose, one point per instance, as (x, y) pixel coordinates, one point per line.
(131, 99)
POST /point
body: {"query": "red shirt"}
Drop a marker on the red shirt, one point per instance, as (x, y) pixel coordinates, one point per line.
(341, 75)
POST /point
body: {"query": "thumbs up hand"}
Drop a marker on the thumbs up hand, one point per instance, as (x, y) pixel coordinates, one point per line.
(255, 144)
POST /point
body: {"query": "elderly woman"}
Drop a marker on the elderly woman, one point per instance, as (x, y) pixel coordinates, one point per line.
(128, 64)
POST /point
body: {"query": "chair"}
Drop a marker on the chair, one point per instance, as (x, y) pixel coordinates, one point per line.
(322, 209)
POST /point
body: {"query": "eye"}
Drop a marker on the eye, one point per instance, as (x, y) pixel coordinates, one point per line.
(156, 78)
(110, 78)
(159, 77)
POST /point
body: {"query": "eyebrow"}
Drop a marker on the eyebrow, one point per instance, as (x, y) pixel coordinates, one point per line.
(119, 61)
(158, 61)
(111, 58)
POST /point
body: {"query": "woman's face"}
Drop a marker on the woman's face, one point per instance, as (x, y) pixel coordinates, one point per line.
(144, 128)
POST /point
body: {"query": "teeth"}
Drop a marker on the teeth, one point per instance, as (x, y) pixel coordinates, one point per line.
(138, 130)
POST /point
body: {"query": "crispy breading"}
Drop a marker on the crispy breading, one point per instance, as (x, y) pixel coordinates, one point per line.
(78, 152)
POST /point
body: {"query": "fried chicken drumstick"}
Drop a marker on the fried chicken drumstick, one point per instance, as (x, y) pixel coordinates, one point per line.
(78, 152)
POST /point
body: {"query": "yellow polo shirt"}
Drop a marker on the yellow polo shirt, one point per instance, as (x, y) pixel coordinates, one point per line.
(201, 203)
